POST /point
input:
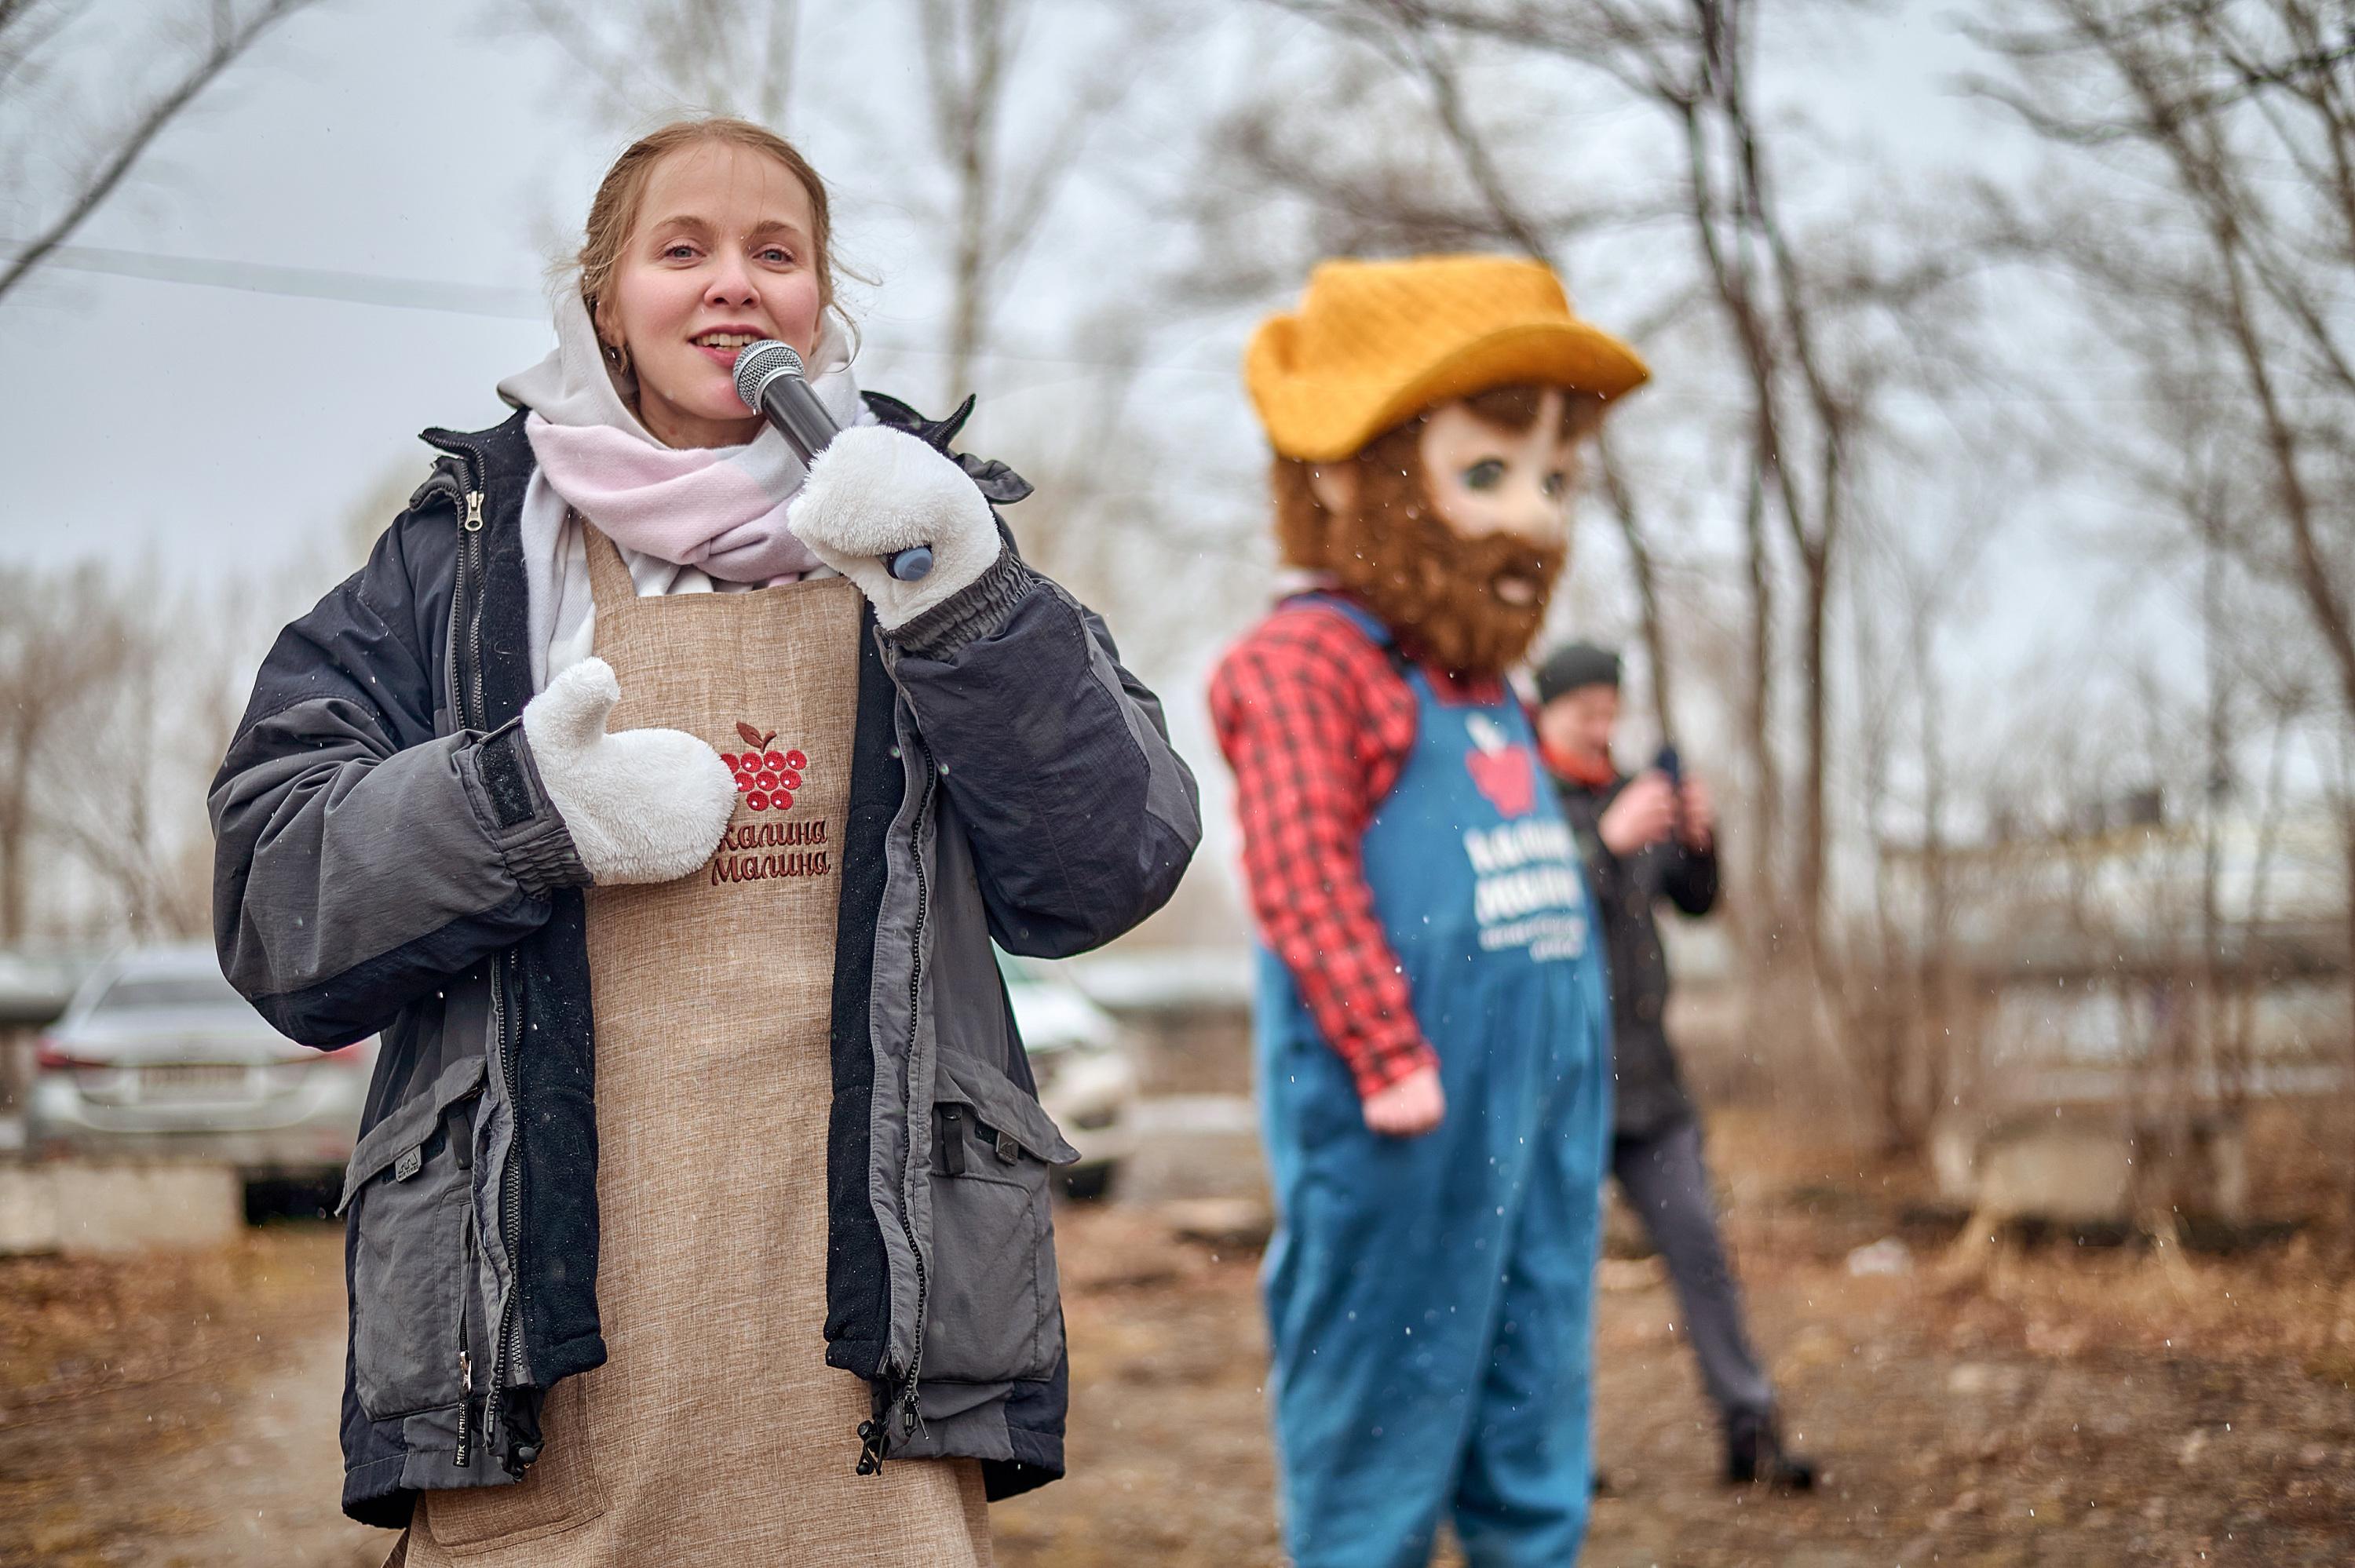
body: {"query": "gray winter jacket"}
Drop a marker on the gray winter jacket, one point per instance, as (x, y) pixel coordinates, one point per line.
(388, 863)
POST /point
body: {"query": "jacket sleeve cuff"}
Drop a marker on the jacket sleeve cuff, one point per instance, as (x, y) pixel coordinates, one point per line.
(532, 839)
(979, 610)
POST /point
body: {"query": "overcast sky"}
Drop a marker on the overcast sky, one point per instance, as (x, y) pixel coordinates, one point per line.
(221, 433)
(220, 430)
(442, 146)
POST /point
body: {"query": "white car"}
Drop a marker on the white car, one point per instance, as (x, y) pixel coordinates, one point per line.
(157, 1057)
(1086, 1070)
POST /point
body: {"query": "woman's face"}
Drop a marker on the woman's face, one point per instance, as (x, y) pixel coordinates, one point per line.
(721, 256)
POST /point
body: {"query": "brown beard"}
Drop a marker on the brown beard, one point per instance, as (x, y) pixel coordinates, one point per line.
(1435, 589)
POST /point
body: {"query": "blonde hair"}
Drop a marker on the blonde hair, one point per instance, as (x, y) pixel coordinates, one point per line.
(613, 214)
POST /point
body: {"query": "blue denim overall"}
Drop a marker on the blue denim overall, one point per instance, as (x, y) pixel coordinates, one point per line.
(1430, 1299)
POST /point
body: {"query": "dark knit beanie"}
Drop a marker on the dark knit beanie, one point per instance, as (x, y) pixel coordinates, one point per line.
(1573, 665)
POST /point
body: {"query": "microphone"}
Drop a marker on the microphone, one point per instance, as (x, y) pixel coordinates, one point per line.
(1672, 768)
(772, 381)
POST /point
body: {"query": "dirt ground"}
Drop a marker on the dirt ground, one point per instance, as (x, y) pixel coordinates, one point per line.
(1995, 1403)
(178, 1410)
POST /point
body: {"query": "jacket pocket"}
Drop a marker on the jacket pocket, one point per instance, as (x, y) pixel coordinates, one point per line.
(994, 1312)
(559, 1492)
(411, 1198)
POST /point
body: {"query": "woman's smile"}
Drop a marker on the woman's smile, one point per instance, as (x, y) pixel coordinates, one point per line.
(722, 345)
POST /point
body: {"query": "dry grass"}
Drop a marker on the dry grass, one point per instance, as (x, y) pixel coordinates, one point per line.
(74, 1328)
(2056, 1403)
(129, 1393)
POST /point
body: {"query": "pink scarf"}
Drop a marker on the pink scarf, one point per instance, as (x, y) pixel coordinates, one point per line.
(720, 509)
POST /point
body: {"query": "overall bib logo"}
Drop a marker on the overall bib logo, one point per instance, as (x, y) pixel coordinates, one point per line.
(1526, 891)
(1501, 769)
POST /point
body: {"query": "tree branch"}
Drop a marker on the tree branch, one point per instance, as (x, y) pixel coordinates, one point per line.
(228, 44)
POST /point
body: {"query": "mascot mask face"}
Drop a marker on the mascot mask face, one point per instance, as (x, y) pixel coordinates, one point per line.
(1453, 528)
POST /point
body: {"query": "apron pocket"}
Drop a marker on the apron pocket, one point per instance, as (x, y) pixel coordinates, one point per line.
(994, 1312)
(558, 1493)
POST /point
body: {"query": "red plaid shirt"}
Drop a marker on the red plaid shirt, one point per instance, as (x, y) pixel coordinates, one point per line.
(1316, 722)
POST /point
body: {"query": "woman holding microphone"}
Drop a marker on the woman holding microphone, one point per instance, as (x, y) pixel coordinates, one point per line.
(699, 1211)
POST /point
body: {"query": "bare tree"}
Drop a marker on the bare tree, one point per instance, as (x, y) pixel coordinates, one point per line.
(1908, 1003)
(106, 782)
(1369, 196)
(1001, 173)
(1001, 195)
(1102, 525)
(2244, 110)
(2222, 264)
(29, 32)
(724, 57)
(1794, 308)
(118, 696)
(59, 645)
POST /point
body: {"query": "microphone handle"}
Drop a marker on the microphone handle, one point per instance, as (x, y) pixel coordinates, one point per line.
(807, 427)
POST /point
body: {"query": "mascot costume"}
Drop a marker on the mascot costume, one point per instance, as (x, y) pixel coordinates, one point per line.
(1432, 1027)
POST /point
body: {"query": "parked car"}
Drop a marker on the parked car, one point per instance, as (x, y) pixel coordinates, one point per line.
(157, 1057)
(1086, 1069)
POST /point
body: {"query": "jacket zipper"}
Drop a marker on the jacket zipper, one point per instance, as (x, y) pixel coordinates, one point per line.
(876, 1434)
(465, 1358)
(467, 683)
(510, 1207)
(473, 528)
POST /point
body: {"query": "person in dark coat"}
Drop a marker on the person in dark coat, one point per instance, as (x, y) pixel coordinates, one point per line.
(668, 841)
(1644, 838)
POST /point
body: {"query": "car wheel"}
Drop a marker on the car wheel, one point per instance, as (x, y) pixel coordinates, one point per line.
(1088, 1184)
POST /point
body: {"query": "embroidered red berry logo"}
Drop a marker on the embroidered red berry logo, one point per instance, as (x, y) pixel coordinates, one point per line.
(770, 850)
(765, 776)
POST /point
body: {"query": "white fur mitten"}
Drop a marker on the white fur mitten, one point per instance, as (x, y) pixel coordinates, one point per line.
(644, 805)
(874, 491)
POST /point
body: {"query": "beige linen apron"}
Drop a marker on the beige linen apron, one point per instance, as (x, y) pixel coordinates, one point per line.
(716, 1434)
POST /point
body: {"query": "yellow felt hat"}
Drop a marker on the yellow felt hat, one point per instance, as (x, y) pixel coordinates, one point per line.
(1375, 343)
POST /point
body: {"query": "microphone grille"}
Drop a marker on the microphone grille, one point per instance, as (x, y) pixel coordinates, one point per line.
(758, 362)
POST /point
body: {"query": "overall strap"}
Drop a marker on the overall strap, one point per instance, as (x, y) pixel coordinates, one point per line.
(1364, 620)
